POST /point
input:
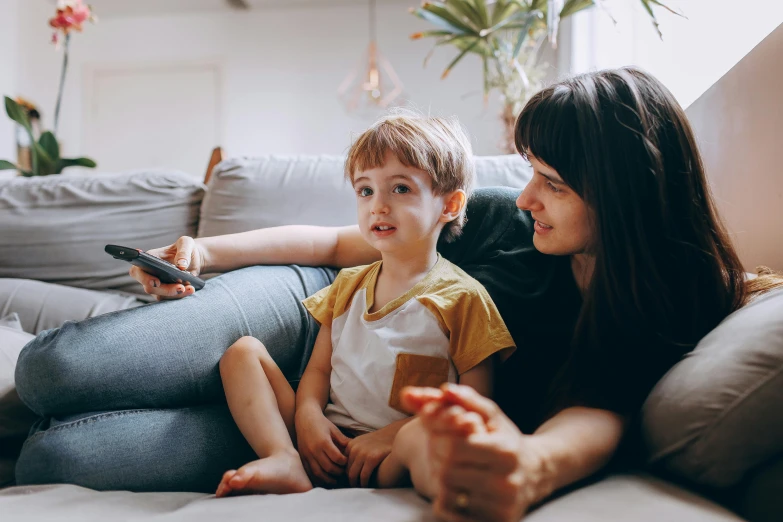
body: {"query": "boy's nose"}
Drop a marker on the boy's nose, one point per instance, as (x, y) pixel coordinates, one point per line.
(379, 207)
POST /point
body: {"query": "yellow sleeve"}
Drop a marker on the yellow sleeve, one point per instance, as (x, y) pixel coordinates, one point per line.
(321, 304)
(474, 326)
(334, 300)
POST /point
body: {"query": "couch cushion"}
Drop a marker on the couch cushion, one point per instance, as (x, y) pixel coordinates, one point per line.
(11, 321)
(15, 417)
(54, 228)
(250, 193)
(717, 414)
(619, 498)
(41, 306)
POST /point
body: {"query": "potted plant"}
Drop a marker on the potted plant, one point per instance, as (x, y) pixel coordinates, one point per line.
(44, 149)
(507, 35)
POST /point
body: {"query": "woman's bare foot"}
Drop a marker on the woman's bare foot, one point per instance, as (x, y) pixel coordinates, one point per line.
(279, 473)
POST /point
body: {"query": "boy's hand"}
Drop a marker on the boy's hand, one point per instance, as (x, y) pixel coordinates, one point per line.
(321, 446)
(365, 454)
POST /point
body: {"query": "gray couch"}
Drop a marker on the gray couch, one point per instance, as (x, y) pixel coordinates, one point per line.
(712, 428)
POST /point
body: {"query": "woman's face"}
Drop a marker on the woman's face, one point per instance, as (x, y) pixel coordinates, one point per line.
(562, 224)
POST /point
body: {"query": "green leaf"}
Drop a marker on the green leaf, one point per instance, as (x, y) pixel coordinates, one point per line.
(27, 174)
(430, 34)
(436, 21)
(523, 32)
(574, 6)
(481, 9)
(7, 165)
(648, 8)
(661, 4)
(42, 154)
(74, 162)
(466, 9)
(514, 18)
(501, 10)
(538, 4)
(463, 42)
(458, 58)
(49, 143)
(439, 10)
(17, 113)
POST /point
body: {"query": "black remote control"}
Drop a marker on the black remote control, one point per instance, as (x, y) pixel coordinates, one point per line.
(163, 270)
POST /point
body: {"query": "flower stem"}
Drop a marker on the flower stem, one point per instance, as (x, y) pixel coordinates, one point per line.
(62, 83)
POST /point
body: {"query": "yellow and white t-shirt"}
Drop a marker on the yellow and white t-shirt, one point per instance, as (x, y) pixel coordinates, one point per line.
(442, 327)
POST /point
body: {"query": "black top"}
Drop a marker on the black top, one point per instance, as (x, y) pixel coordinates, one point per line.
(540, 302)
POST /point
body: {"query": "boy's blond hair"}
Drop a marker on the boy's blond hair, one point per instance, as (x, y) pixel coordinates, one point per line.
(438, 146)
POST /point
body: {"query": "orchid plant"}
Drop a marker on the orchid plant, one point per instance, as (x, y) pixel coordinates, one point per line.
(45, 151)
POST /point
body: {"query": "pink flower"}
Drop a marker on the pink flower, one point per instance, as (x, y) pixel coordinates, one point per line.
(71, 14)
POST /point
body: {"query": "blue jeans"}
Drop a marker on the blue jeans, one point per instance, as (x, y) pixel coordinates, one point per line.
(133, 399)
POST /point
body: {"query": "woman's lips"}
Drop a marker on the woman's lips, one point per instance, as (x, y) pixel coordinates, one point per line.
(541, 228)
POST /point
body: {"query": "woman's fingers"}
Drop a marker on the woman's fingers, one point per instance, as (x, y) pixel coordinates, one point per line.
(463, 505)
(471, 400)
(499, 452)
(414, 398)
(185, 245)
(452, 420)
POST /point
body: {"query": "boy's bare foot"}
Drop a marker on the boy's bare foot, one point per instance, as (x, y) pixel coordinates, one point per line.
(279, 473)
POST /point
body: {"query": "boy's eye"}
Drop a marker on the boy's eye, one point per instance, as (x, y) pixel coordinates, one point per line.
(365, 191)
(401, 189)
(552, 187)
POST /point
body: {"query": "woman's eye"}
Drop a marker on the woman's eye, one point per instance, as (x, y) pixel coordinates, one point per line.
(365, 191)
(401, 189)
(552, 187)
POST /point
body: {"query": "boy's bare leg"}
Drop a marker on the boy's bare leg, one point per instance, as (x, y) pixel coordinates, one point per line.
(262, 404)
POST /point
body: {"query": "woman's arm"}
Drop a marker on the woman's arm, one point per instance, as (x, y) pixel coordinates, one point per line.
(574, 444)
(295, 244)
(498, 474)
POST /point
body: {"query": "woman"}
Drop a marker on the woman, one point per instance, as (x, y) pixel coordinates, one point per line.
(612, 265)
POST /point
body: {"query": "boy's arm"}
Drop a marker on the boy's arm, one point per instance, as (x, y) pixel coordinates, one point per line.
(480, 377)
(313, 390)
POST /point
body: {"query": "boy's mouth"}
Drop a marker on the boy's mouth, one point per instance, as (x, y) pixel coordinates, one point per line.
(383, 229)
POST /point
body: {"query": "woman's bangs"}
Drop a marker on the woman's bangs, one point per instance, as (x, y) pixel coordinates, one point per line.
(546, 129)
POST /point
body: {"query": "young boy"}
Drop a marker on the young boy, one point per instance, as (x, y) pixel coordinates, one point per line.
(412, 318)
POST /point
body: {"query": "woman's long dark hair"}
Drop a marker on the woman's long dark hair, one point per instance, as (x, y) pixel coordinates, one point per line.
(666, 272)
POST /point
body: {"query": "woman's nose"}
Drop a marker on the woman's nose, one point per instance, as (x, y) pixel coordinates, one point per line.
(527, 199)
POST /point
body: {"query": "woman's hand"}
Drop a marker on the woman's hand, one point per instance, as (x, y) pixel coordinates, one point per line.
(185, 254)
(366, 452)
(321, 446)
(485, 467)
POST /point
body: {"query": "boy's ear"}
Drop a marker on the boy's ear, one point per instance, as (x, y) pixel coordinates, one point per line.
(455, 203)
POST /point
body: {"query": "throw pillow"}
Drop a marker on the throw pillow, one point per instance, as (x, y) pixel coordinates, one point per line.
(716, 416)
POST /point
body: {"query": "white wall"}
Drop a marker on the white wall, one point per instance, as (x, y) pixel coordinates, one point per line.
(739, 126)
(9, 53)
(281, 68)
(695, 52)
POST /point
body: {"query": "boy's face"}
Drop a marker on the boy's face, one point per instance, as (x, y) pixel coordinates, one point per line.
(398, 211)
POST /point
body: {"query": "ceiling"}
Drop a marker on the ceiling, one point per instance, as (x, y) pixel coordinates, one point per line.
(110, 8)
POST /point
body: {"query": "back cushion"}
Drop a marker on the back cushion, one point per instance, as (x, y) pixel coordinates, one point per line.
(54, 228)
(250, 193)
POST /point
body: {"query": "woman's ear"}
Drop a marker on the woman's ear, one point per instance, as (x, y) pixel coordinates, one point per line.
(454, 205)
